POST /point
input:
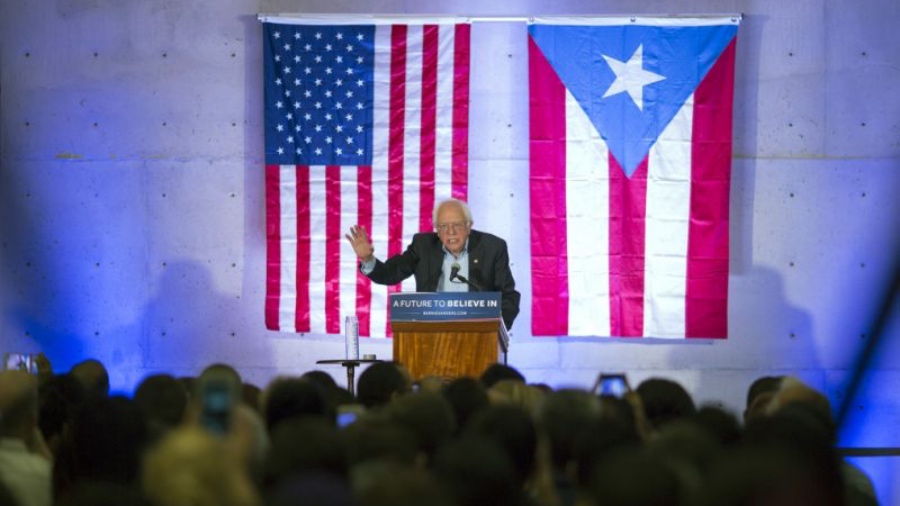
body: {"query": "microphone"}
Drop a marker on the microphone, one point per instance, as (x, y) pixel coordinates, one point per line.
(454, 271)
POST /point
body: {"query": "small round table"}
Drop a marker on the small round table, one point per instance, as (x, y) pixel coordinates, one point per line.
(351, 365)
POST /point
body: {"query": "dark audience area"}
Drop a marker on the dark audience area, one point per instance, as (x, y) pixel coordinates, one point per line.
(496, 440)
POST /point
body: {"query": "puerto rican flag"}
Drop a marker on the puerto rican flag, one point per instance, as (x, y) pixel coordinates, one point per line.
(630, 142)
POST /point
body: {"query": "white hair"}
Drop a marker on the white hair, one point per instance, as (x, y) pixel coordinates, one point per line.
(462, 205)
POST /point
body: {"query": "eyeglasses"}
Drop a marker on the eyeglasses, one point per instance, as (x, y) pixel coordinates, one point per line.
(443, 228)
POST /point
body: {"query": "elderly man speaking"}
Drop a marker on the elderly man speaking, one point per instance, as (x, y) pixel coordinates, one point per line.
(453, 258)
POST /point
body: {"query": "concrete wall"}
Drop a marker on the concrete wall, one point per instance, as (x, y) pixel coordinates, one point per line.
(131, 194)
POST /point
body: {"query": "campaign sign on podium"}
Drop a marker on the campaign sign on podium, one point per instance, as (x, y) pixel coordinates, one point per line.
(444, 306)
(447, 334)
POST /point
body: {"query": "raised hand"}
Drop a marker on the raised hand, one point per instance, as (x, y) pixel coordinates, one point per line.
(362, 245)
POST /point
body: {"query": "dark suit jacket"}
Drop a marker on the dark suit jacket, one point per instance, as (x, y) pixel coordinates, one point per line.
(424, 259)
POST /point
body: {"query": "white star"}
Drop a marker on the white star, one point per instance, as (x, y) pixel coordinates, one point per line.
(280, 128)
(328, 140)
(359, 36)
(318, 35)
(318, 151)
(297, 59)
(359, 152)
(340, 36)
(280, 151)
(631, 77)
(297, 35)
(277, 35)
(339, 151)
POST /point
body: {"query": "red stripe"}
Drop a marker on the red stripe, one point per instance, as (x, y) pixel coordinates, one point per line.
(706, 306)
(429, 126)
(333, 249)
(301, 308)
(461, 56)
(549, 244)
(364, 219)
(396, 123)
(273, 245)
(627, 239)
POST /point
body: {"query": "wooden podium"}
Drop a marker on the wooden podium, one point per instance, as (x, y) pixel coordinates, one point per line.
(449, 334)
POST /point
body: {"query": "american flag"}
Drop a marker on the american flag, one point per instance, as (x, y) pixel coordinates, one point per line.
(365, 123)
(630, 142)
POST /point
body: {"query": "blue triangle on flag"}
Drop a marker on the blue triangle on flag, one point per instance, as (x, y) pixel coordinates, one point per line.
(631, 80)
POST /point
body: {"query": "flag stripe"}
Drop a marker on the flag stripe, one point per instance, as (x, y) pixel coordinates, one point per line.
(273, 246)
(460, 72)
(627, 210)
(303, 243)
(332, 249)
(443, 163)
(395, 147)
(428, 122)
(707, 286)
(364, 219)
(396, 139)
(587, 224)
(668, 215)
(348, 189)
(312, 250)
(549, 272)
(412, 129)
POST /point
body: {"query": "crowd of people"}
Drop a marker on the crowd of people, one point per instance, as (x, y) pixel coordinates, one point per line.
(496, 440)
